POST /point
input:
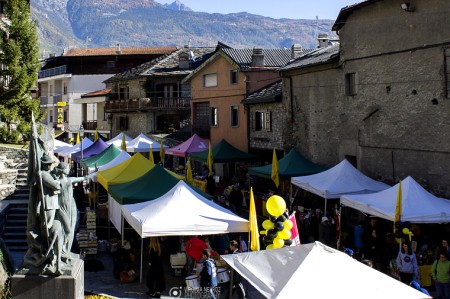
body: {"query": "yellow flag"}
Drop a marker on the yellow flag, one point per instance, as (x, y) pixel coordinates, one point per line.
(253, 224)
(150, 155)
(78, 138)
(275, 177)
(96, 135)
(398, 206)
(189, 171)
(210, 158)
(161, 153)
(123, 145)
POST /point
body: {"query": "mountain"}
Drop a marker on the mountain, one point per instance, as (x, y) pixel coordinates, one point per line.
(104, 23)
(177, 5)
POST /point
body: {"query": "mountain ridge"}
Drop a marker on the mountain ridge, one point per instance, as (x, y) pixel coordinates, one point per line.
(66, 24)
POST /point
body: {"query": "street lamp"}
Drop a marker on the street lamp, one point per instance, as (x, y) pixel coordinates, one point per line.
(81, 137)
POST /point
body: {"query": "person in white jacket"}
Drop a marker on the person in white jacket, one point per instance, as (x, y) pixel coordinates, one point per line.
(407, 265)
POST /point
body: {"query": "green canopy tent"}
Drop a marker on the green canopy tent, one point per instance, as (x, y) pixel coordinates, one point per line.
(101, 158)
(291, 165)
(223, 152)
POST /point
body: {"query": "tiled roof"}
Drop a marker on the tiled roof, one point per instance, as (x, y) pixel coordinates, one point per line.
(272, 57)
(166, 65)
(270, 93)
(319, 56)
(97, 93)
(123, 51)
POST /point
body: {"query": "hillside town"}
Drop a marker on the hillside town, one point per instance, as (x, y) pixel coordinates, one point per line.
(226, 172)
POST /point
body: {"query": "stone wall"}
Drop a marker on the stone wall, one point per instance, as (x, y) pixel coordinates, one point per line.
(273, 138)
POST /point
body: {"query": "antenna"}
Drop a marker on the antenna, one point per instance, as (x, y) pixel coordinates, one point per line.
(88, 39)
(317, 28)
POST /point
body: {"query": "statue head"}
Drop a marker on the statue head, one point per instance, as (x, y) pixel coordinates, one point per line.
(46, 161)
(63, 167)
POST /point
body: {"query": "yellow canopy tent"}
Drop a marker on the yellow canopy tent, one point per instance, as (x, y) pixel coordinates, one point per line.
(127, 171)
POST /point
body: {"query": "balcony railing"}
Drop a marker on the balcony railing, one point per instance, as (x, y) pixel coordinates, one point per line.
(144, 104)
(51, 100)
(53, 71)
(90, 125)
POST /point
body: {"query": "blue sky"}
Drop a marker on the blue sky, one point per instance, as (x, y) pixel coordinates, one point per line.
(292, 9)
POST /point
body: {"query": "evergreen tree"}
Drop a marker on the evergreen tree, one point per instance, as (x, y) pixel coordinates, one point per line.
(19, 64)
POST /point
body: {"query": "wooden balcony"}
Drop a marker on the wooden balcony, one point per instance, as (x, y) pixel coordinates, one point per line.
(90, 125)
(146, 104)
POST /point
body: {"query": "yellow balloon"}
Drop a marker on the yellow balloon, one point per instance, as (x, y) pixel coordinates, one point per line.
(267, 224)
(406, 231)
(276, 205)
(278, 242)
(284, 234)
(288, 224)
(270, 246)
(263, 232)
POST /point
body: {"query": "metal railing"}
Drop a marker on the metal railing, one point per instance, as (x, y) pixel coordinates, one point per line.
(53, 71)
(144, 104)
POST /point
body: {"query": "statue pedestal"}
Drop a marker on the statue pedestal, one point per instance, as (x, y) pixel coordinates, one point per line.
(71, 286)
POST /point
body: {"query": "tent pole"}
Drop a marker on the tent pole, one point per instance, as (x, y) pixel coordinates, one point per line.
(142, 253)
(230, 290)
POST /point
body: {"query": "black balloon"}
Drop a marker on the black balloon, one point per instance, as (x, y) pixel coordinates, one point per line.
(273, 219)
(267, 240)
(288, 242)
(272, 233)
(281, 218)
(279, 226)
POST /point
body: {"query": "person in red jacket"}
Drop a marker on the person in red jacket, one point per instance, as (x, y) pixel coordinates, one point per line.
(194, 251)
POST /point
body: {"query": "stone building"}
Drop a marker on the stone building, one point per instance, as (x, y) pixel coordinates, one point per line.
(151, 97)
(381, 99)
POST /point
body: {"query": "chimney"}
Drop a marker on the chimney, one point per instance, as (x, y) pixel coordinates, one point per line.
(183, 60)
(323, 40)
(118, 50)
(296, 51)
(257, 57)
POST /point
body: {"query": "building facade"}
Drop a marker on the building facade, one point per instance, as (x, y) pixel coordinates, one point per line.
(382, 101)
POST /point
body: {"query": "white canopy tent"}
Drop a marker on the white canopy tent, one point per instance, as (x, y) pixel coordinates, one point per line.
(182, 211)
(117, 141)
(59, 146)
(315, 271)
(142, 144)
(341, 179)
(418, 205)
(76, 148)
(122, 157)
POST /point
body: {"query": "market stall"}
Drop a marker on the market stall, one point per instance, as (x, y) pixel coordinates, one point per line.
(102, 158)
(341, 179)
(315, 271)
(117, 141)
(142, 143)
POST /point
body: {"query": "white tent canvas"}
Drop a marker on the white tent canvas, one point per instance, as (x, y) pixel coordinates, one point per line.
(76, 148)
(117, 141)
(142, 144)
(418, 205)
(341, 179)
(315, 271)
(182, 211)
(59, 146)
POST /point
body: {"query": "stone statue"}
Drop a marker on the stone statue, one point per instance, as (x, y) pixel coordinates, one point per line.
(51, 213)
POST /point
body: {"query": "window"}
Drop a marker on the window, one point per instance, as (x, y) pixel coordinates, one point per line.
(64, 88)
(122, 123)
(209, 80)
(447, 71)
(214, 117)
(105, 115)
(201, 119)
(110, 64)
(50, 115)
(234, 116)
(233, 77)
(123, 92)
(350, 84)
(262, 121)
(66, 116)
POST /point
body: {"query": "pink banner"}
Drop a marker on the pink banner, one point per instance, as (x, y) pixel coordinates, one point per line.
(294, 231)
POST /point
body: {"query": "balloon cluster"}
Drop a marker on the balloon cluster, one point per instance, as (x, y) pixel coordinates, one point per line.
(402, 230)
(277, 229)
